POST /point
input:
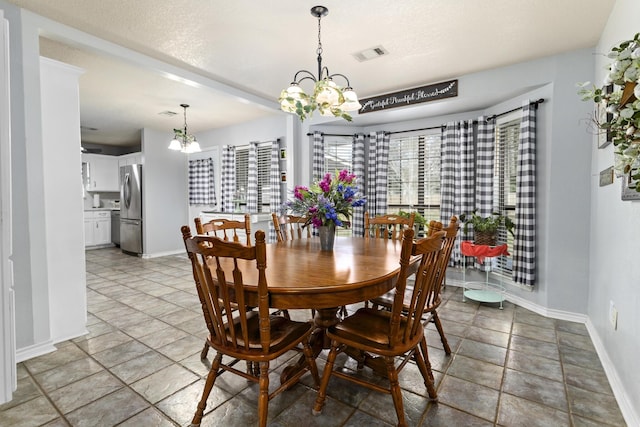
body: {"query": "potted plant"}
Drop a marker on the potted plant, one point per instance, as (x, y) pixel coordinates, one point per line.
(623, 105)
(418, 220)
(486, 228)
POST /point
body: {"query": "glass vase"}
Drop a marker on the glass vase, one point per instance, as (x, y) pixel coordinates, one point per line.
(327, 234)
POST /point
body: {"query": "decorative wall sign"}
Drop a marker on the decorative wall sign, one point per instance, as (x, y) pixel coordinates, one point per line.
(413, 96)
(628, 188)
(606, 176)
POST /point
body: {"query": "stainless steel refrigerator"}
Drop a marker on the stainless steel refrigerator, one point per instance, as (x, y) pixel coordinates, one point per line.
(131, 209)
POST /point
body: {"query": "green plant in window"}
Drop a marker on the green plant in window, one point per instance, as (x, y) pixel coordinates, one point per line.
(417, 220)
(489, 224)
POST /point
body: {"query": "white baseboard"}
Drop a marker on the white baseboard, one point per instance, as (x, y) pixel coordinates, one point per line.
(35, 350)
(167, 253)
(83, 331)
(546, 312)
(631, 416)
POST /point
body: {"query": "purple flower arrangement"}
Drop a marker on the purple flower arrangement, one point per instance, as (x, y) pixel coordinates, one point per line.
(329, 201)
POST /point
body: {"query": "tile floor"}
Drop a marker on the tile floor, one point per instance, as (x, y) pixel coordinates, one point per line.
(139, 366)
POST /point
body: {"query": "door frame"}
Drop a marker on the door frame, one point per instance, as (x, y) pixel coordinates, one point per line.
(8, 378)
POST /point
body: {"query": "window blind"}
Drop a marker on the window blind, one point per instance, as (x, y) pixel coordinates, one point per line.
(337, 154)
(504, 184)
(242, 175)
(414, 174)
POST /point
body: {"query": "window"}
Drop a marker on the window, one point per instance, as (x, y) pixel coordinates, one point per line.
(242, 177)
(338, 156)
(414, 175)
(504, 181)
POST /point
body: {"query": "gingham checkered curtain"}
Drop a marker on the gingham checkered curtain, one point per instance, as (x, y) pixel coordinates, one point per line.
(524, 252)
(228, 180)
(318, 156)
(202, 189)
(457, 174)
(274, 183)
(484, 166)
(318, 162)
(357, 159)
(252, 178)
(377, 173)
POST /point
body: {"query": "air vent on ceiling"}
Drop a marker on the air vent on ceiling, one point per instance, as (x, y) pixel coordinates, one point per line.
(167, 113)
(371, 53)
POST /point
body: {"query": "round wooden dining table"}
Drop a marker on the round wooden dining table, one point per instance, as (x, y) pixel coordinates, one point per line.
(301, 276)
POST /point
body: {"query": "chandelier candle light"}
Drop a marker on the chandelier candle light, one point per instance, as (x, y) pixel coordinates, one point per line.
(183, 141)
(329, 98)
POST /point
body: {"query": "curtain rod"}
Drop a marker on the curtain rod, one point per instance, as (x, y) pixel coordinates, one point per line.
(495, 116)
(331, 134)
(534, 103)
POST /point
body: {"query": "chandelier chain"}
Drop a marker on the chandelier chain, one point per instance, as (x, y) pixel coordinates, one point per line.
(319, 50)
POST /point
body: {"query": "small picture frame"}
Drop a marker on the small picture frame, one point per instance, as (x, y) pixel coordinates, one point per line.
(604, 135)
(628, 187)
(283, 153)
(606, 176)
(283, 176)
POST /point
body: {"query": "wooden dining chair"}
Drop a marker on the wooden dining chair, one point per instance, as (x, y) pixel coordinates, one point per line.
(254, 336)
(433, 301)
(226, 229)
(290, 227)
(391, 334)
(388, 226)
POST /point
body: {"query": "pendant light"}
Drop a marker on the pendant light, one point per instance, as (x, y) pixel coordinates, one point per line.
(183, 141)
(328, 97)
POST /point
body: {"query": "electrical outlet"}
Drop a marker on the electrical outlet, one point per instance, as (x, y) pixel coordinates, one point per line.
(613, 315)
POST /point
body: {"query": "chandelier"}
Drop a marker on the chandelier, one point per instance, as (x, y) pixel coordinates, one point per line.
(328, 98)
(183, 140)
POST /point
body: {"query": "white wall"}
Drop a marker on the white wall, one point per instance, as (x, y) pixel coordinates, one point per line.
(164, 194)
(615, 235)
(63, 200)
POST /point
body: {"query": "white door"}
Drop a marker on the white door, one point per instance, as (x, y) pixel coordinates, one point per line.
(7, 304)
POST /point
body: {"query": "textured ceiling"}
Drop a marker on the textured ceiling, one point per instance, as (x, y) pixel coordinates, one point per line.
(255, 47)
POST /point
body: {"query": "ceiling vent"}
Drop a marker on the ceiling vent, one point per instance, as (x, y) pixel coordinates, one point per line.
(167, 113)
(371, 53)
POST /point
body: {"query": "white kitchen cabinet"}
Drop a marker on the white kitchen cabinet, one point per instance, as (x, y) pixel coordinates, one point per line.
(102, 172)
(130, 159)
(97, 228)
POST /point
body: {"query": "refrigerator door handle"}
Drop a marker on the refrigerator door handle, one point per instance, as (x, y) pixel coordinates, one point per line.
(127, 190)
